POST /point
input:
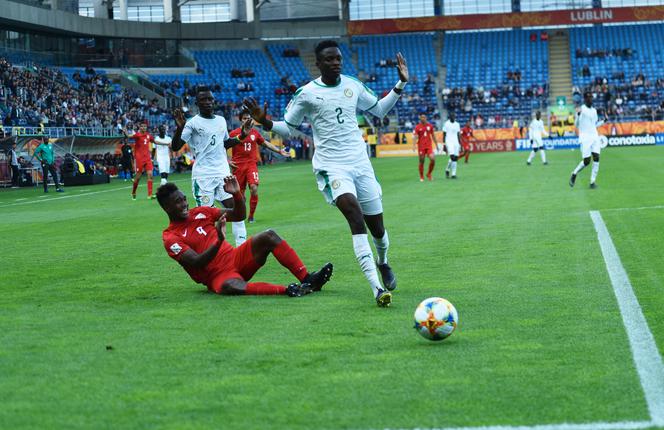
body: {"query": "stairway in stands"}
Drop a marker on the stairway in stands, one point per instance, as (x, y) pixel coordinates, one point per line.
(560, 67)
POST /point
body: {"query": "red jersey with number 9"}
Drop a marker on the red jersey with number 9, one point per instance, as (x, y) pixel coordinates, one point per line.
(247, 152)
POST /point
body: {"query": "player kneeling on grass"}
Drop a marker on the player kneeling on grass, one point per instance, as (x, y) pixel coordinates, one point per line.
(195, 239)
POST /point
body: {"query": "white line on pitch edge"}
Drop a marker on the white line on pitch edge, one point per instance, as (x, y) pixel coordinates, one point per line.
(646, 356)
(634, 209)
(626, 425)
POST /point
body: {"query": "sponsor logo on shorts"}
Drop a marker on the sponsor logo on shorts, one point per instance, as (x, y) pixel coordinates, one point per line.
(348, 92)
(335, 184)
(632, 140)
(176, 248)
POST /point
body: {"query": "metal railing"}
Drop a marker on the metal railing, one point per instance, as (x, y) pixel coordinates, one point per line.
(58, 132)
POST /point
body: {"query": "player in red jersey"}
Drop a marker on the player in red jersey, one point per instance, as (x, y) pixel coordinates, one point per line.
(143, 159)
(245, 158)
(195, 239)
(466, 135)
(425, 137)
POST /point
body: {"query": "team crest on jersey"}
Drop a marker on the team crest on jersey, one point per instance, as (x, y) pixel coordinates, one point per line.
(336, 184)
(205, 200)
(176, 248)
(202, 216)
(253, 137)
(348, 92)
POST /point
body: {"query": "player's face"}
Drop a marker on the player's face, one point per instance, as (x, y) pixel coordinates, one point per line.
(452, 117)
(588, 99)
(329, 62)
(177, 206)
(144, 128)
(205, 102)
(245, 117)
(162, 131)
(538, 115)
(423, 119)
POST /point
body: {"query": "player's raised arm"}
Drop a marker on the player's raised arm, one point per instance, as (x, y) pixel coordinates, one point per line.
(180, 122)
(239, 210)
(384, 105)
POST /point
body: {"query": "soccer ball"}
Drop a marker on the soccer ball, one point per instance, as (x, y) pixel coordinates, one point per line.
(436, 318)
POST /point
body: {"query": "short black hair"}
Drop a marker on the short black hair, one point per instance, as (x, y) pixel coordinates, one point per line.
(324, 45)
(202, 89)
(164, 192)
(243, 112)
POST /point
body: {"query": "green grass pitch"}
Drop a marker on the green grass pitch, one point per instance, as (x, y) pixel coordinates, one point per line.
(541, 339)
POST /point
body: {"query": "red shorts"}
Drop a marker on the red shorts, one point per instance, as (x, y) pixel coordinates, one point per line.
(144, 165)
(465, 145)
(246, 175)
(425, 149)
(239, 265)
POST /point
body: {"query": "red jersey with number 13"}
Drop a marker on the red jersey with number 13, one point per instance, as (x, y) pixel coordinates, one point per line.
(247, 152)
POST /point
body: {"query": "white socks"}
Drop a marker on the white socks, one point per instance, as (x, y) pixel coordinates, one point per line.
(531, 156)
(449, 164)
(593, 174)
(163, 181)
(366, 261)
(454, 164)
(382, 246)
(239, 232)
(543, 156)
(579, 168)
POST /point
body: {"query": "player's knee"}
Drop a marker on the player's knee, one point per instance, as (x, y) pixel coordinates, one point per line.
(253, 189)
(586, 161)
(233, 287)
(272, 237)
(595, 157)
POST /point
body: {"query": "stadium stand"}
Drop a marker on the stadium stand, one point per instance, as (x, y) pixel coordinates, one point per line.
(623, 69)
(499, 76)
(376, 64)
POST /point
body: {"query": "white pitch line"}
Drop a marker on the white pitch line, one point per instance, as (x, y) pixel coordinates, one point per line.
(70, 196)
(642, 208)
(646, 356)
(627, 425)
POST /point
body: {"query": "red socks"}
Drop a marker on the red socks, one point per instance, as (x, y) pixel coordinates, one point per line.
(133, 189)
(431, 164)
(287, 257)
(421, 170)
(149, 187)
(264, 289)
(253, 202)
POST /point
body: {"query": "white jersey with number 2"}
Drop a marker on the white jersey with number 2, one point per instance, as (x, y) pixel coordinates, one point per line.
(331, 109)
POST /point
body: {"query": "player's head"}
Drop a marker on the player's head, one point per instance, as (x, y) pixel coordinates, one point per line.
(244, 115)
(204, 100)
(468, 123)
(452, 116)
(143, 127)
(328, 58)
(538, 114)
(173, 201)
(423, 119)
(588, 98)
(162, 131)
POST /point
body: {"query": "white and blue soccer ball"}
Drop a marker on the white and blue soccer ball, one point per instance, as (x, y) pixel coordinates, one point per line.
(436, 318)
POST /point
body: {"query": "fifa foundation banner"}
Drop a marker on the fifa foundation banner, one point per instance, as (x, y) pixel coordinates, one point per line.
(572, 142)
(507, 20)
(567, 142)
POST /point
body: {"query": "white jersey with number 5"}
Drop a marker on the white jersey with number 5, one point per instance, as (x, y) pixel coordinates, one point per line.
(206, 139)
(331, 109)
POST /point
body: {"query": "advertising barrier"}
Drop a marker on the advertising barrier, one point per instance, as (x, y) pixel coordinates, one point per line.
(572, 142)
(492, 145)
(568, 142)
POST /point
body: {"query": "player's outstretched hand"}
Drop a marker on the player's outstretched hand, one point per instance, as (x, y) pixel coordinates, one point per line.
(284, 153)
(179, 118)
(220, 225)
(246, 128)
(255, 110)
(231, 185)
(402, 68)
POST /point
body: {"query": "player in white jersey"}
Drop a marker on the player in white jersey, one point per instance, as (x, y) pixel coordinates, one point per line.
(451, 135)
(536, 131)
(163, 149)
(207, 136)
(587, 123)
(341, 164)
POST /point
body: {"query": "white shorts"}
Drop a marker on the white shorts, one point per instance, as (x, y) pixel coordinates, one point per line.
(453, 148)
(537, 143)
(164, 164)
(359, 181)
(589, 144)
(207, 190)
